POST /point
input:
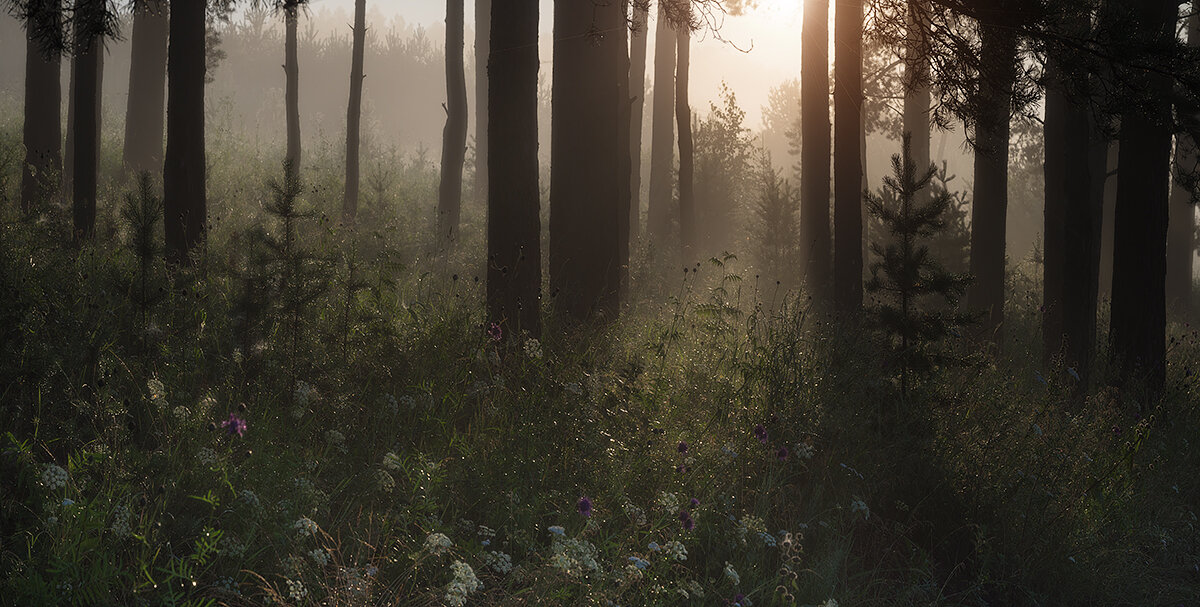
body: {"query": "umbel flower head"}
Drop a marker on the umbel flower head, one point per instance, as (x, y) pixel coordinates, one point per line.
(234, 425)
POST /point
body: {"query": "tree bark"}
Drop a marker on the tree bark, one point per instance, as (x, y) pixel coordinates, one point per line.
(916, 90)
(483, 25)
(42, 170)
(89, 65)
(454, 135)
(145, 113)
(354, 113)
(990, 208)
(1137, 331)
(68, 174)
(1181, 234)
(291, 70)
(815, 237)
(184, 199)
(514, 272)
(848, 168)
(585, 180)
(687, 171)
(662, 135)
(637, 94)
(625, 155)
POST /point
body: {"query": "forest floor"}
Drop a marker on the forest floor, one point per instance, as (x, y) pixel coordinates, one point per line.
(333, 424)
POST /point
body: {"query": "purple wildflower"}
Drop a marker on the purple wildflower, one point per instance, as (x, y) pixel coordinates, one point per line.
(584, 506)
(495, 332)
(681, 468)
(781, 454)
(686, 520)
(760, 433)
(694, 503)
(683, 447)
(234, 425)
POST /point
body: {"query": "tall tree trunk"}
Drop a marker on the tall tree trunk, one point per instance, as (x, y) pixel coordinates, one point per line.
(662, 135)
(184, 199)
(815, 237)
(41, 172)
(585, 180)
(1108, 192)
(89, 48)
(687, 171)
(354, 113)
(916, 88)
(291, 70)
(68, 174)
(454, 135)
(1181, 235)
(990, 208)
(483, 26)
(637, 94)
(625, 156)
(514, 274)
(145, 113)
(1137, 331)
(848, 168)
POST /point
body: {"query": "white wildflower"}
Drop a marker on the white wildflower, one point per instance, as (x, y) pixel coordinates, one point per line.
(696, 589)
(805, 451)
(463, 584)
(305, 526)
(335, 438)
(857, 505)
(668, 501)
(181, 413)
(53, 476)
(533, 348)
(830, 603)
(392, 462)
(207, 457)
(120, 525)
(384, 481)
(636, 514)
(437, 544)
(674, 550)
(556, 530)
(296, 590)
(731, 574)
(319, 556)
(156, 388)
(573, 556)
(249, 498)
(499, 562)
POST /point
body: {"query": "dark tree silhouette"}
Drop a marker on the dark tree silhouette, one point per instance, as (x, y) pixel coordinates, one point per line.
(1137, 330)
(41, 171)
(637, 97)
(184, 199)
(815, 237)
(291, 69)
(585, 182)
(992, 105)
(145, 113)
(89, 22)
(687, 166)
(483, 25)
(514, 271)
(454, 135)
(847, 160)
(354, 113)
(662, 135)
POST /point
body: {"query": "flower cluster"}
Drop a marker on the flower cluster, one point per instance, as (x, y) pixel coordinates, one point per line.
(668, 501)
(498, 561)
(120, 525)
(320, 556)
(305, 526)
(574, 557)
(392, 462)
(858, 505)
(234, 425)
(53, 476)
(533, 348)
(296, 590)
(437, 544)
(636, 514)
(674, 550)
(731, 574)
(463, 584)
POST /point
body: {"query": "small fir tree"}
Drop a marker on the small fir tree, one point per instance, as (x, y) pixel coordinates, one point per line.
(905, 273)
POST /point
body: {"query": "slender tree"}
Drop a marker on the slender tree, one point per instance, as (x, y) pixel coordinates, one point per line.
(815, 237)
(354, 113)
(1137, 329)
(90, 19)
(514, 271)
(454, 135)
(1181, 235)
(996, 75)
(585, 180)
(184, 199)
(291, 70)
(625, 155)
(916, 85)
(662, 137)
(637, 96)
(483, 26)
(847, 167)
(687, 175)
(68, 173)
(145, 113)
(41, 170)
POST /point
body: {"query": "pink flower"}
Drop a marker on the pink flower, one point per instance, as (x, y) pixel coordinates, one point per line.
(234, 425)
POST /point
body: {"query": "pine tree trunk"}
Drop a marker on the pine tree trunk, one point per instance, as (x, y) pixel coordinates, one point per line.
(1054, 215)
(585, 179)
(1181, 235)
(637, 94)
(815, 237)
(1112, 152)
(68, 174)
(354, 113)
(990, 208)
(454, 135)
(625, 159)
(916, 90)
(145, 112)
(687, 171)
(848, 168)
(184, 199)
(1137, 333)
(514, 272)
(88, 69)
(41, 171)
(291, 70)
(662, 135)
(483, 25)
